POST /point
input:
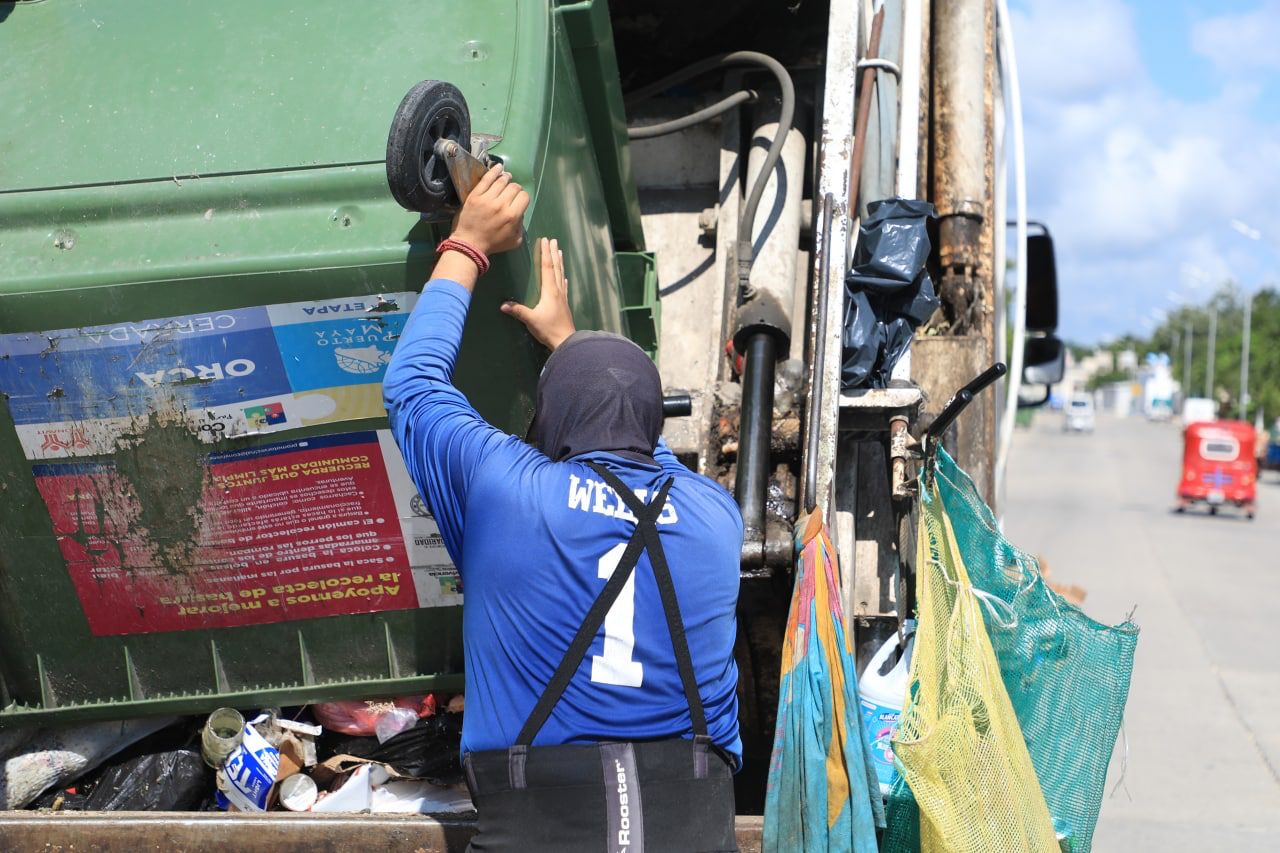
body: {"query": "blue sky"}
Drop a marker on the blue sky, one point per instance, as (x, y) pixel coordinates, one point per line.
(1150, 127)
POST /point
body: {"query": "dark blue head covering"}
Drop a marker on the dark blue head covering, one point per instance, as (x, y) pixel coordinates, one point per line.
(598, 391)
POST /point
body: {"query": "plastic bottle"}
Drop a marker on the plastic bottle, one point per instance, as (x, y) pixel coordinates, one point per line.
(881, 697)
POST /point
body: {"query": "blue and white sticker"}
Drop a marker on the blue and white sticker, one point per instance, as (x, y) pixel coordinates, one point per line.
(244, 371)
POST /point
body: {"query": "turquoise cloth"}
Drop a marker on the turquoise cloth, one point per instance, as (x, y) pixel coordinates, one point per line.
(821, 775)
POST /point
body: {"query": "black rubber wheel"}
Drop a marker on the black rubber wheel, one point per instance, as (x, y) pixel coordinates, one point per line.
(1213, 510)
(418, 179)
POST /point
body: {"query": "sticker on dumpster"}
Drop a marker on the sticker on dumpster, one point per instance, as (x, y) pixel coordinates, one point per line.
(244, 371)
(293, 530)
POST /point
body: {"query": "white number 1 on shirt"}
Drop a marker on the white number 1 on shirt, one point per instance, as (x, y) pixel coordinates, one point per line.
(615, 666)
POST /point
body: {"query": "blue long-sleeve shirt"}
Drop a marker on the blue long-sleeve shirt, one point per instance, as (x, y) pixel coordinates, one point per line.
(535, 542)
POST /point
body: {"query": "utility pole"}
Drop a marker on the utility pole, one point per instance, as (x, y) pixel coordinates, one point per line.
(1186, 358)
(1213, 348)
(1244, 356)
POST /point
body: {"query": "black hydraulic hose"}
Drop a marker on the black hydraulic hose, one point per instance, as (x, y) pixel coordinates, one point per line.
(754, 432)
(678, 405)
(706, 114)
(761, 351)
(786, 116)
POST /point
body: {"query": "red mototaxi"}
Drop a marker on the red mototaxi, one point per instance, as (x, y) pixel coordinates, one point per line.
(1219, 466)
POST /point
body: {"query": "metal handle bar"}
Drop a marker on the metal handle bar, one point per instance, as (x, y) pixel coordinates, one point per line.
(958, 403)
(819, 361)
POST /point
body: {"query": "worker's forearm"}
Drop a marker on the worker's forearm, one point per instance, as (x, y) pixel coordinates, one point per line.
(428, 347)
(455, 266)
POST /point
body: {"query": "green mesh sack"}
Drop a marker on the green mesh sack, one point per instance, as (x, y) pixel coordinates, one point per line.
(902, 816)
(1066, 675)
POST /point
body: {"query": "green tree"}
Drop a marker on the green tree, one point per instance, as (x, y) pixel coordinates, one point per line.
(1264, 350)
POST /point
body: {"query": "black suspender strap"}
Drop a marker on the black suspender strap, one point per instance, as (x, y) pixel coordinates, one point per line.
(644, 538)
(648, 526)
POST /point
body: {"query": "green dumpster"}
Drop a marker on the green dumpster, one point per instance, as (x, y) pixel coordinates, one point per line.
(202, 276)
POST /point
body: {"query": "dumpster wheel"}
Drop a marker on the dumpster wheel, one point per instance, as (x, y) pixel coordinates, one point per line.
(418, 179)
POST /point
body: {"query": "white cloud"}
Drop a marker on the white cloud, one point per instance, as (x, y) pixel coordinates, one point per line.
(1241, 42)
(1134, 182)
(1102, 47)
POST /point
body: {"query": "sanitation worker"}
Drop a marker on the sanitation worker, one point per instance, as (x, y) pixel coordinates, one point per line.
(601, 575)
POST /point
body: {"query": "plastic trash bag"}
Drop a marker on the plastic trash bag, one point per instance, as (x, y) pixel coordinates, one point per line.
(429, 750)
(166, 781)
(360, 716)
(893, 246)
(861, 340)
(393, 722)
(52, 756)
(12, 740)
(888, 292)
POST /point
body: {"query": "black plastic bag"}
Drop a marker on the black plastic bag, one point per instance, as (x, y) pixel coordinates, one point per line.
(164, 782)
(893, 246)
(861, 340)
(888, 293)
(429, 750)
(915, 305)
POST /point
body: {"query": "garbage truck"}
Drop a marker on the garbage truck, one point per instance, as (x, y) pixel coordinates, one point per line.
(215, 219)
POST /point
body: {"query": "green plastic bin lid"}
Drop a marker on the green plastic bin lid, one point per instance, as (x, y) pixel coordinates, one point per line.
(134, 91)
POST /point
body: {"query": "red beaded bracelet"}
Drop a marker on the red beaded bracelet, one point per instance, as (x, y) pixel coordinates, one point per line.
(476, 256)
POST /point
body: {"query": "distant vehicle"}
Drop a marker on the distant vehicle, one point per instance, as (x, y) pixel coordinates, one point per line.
(1219, 467)
(1078, 415)
(1271, 461)
(1197, 409)
(1157, 397)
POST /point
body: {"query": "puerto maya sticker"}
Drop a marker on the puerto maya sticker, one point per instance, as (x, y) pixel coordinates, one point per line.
(243, 371)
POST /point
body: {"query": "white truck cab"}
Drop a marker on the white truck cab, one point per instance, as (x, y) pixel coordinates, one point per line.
(1078, 414)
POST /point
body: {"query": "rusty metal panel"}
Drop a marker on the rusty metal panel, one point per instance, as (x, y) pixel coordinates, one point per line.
(943, 365)
(277, 832)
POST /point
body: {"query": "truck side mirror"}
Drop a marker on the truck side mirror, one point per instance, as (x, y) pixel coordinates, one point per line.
(1044, 361)
(1044, 358)
(1042, 282)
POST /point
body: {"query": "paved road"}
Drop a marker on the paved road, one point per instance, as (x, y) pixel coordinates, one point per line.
(1203, 720)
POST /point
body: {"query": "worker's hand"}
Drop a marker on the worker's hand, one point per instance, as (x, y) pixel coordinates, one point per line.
(551, 320)
(492, 217)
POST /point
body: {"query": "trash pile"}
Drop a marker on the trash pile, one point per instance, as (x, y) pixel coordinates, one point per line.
(398, 755)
